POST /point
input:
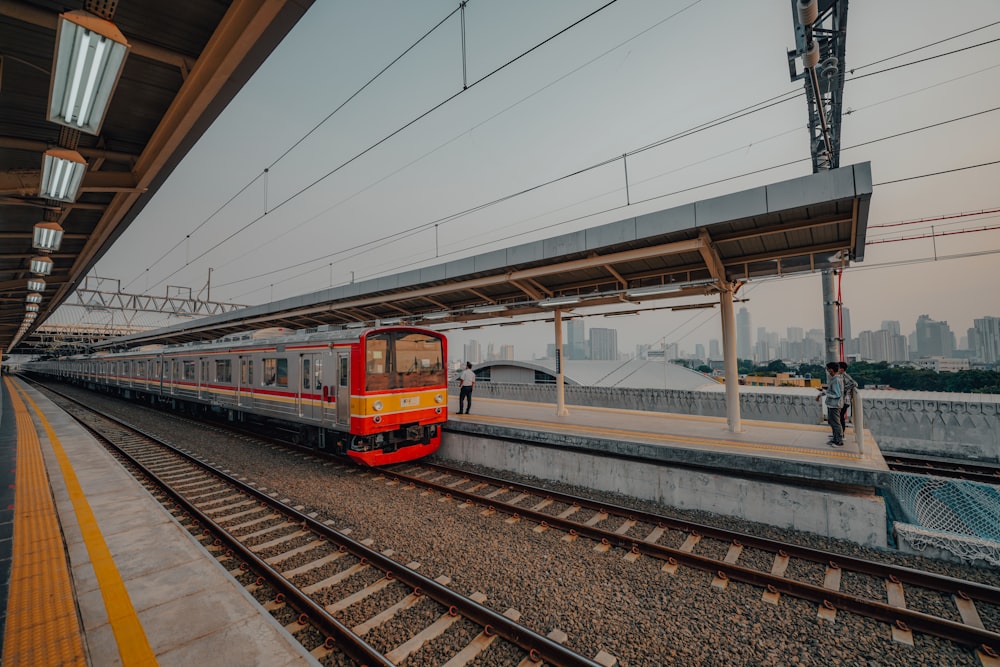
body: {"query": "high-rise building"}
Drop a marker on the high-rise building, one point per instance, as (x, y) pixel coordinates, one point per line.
(699, 352)
(473, 352)
(603, 344)
(576, 343)
(934, 339)
(507, 352)
(985, 334)
(744, 345)
(845, 323)
(892, 326)
(714, 349)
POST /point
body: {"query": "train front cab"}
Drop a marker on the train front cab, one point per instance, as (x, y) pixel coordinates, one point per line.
(399, 396)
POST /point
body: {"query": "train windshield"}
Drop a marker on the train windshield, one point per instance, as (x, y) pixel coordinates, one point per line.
(403, 360)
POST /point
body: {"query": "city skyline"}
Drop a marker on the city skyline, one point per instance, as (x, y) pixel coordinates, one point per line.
(541, 347)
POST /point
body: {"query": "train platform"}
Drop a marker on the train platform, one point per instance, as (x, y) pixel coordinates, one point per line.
(99, 573)
(771, 472)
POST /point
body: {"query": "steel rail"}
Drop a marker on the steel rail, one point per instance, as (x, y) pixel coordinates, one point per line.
(937, 582)
(534, 644)
(957, 632)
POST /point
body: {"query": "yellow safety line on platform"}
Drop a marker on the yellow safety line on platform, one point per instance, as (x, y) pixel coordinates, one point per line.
(757, 446)
(42, 625)
(133, 645)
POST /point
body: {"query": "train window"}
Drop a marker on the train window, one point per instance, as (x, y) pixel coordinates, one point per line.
(344, 369)
(246, 373)
(224, 370)
(419, 360)
(156, 370)
(318, 373)
(205, 367)
(275, 372)
(140, 369)
(189, 371)
(377, 362)
(306, 375)
(127, 369)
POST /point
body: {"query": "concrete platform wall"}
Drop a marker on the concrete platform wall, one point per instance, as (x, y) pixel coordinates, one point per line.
(858, 517)
(959, 426)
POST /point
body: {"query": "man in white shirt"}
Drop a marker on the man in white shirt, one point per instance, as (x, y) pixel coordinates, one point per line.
(465, 382)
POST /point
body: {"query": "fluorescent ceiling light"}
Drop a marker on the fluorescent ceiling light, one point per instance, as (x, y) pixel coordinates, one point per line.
(41, 265)
(31, 307)
(654, 290)
(48, 236)
(89, 58)
(391, 321)
(559, 301)
(693, 306)
(492, 308)
(62, 173)
(36, 285)
(33, 297)
(30, 316)
(436, 316)
(354, 325)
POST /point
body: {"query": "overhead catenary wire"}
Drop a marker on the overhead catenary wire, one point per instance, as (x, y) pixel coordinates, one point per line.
(750, 109)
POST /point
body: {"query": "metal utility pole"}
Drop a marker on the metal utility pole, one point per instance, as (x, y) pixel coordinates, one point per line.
(820, 41)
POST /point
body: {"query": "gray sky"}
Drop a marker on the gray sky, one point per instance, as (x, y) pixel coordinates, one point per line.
(635, 73)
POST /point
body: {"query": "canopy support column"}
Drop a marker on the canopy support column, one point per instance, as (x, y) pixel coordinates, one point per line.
(561, 410)
(729, 360)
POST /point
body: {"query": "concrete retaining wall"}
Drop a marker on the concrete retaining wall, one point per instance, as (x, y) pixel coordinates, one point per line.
(958, 426)
(856, 516)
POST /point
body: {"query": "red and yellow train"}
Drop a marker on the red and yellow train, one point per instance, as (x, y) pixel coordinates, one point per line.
(376, 395)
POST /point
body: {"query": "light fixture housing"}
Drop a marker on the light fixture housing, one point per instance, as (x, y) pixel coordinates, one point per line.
(62, 174)
(560, 301)
(491, 308)
(33, 297)
(41, 265)
(436, 316)
(31, 307)
(47, 237)
(36, 285)
(28, 317)
(88, 61)
(654, 290)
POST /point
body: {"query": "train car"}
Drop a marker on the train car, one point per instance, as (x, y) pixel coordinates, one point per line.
(376, 395)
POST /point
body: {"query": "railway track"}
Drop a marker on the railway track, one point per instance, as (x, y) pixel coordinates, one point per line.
(929, 465)
(307, 574)
(904, 599)
(641, 534)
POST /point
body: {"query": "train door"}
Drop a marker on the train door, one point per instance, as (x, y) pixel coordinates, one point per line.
(204, 378)
(244, 389)
(343, 387)
(310, 386)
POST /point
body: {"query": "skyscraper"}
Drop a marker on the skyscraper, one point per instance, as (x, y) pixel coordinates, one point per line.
(603, 344)
(985, 343)
(575, 340)
(934, 339)
(744, 345)
(714, 349)
(473, 352)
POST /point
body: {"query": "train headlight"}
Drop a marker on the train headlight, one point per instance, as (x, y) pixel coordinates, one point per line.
(439, 398)
(377, 406)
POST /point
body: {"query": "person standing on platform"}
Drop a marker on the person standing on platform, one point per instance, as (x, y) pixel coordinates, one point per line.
(465, 382)
(849, 386)
(833, 401)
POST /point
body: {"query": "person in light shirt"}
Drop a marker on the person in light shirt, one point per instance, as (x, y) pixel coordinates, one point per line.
(465, 382)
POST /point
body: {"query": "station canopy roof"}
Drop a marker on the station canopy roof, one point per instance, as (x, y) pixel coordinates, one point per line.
(800, 225)
(186, 60)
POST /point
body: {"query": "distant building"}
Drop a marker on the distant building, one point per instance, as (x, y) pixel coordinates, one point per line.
(473, 352)
(984, 339)
(714, 349)
(934, 339)
(507, 352)
(781, 380)
(603, 344)
(699, 352)
(942, 364)
(634, 374)
(744, 345)
(576, 341)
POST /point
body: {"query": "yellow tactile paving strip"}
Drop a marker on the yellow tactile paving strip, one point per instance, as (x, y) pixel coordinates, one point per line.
(42, 623)
(133, 645)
